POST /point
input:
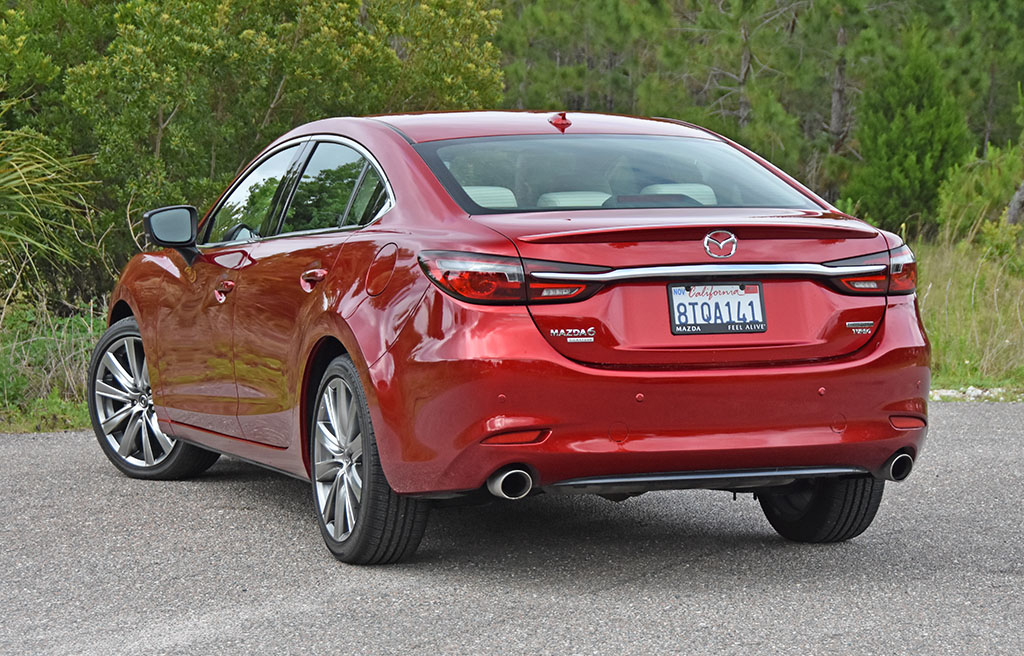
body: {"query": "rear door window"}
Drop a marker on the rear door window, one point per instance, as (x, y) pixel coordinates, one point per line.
(324, 192)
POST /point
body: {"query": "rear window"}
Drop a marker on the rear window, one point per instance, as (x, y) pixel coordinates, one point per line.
(556, 172)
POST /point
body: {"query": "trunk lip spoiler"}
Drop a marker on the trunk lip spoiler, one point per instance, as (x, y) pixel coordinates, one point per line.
(713, 270)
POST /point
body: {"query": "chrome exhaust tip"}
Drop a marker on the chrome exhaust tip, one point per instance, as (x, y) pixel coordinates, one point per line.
(510, 484)
(898, 467)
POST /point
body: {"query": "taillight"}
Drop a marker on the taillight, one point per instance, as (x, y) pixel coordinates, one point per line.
(902, 271)
(899, 275)
(502, 280)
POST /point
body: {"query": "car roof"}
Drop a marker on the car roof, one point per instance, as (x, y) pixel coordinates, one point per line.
(418, 128)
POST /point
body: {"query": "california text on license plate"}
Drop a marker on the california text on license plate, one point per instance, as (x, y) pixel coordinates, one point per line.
(716, 309)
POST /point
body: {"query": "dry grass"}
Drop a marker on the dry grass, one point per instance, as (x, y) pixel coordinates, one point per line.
(973, 307)
(44, 361)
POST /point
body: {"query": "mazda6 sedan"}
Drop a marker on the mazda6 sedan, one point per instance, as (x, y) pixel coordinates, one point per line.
(402, 309)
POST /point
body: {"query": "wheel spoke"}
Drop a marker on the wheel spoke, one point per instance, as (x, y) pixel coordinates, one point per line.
(330, 441)
(154, 427)
(327, 503)
(111, 392)
(133, 362)
(339, 505)
(127, 444)
(147, 445)
(355, 482)
(341, 411)
(356, 448)
(123, 378)
(352, 429)
(350, 510)
(325, 470)
(116, 419)
(328, 403)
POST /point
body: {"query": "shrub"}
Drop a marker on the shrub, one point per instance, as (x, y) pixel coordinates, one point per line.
(979, 191)
(910, 132)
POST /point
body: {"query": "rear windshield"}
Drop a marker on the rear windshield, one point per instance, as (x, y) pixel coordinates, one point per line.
(556, 172)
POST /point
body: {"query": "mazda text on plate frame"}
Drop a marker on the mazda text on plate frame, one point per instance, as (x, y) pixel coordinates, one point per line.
(401, 309)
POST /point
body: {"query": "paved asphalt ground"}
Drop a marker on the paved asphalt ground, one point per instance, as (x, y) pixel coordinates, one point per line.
(96, 563)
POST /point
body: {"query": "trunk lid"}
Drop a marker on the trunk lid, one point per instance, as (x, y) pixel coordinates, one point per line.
(656, 260)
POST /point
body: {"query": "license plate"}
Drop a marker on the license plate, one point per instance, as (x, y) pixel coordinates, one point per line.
(716, 309)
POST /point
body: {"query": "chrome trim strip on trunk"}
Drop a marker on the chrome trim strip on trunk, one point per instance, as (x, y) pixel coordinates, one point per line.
(712, 270)
(735, 479)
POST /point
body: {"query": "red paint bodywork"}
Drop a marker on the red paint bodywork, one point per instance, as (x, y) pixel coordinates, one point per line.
(447, 379)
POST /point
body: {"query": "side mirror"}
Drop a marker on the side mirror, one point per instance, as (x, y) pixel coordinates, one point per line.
(174, 227)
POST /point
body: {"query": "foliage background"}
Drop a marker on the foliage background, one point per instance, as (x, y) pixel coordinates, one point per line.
(909, 114)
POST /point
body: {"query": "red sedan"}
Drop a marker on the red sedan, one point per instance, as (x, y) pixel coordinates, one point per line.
(408, 308)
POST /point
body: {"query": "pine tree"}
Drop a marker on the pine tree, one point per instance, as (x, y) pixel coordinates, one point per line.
(910, 132)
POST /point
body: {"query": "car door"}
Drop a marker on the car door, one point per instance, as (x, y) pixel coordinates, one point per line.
(196, 321)
(284, 289)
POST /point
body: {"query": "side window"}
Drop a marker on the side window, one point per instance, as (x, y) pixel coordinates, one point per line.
(371, 197)
(246, 209)
(323, 193)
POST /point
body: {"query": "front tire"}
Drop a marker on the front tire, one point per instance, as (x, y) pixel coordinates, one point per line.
(121, 410)
(824, 509)
(362, 520)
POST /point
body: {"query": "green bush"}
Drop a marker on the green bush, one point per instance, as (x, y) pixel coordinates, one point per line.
(44, 361)
(1002, 242)
(977, 193)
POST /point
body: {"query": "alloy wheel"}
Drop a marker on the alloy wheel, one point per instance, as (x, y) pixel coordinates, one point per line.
(338, 459)
(124, 405)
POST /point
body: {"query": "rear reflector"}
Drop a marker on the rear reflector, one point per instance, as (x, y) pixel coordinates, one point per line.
(903, 422)
(518, 437)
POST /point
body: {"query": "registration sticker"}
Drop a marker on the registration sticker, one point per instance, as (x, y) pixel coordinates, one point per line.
(716, 309)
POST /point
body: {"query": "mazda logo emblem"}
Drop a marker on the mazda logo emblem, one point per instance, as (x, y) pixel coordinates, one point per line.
(720, 243)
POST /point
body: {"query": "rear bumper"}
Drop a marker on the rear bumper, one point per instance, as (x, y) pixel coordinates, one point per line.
(461, 386)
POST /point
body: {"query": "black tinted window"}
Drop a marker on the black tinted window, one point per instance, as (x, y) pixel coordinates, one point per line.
(323, 193)
(370, 199)
(248, 206)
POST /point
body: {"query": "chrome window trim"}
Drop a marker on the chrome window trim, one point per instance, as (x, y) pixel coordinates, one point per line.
(314, 231)
(712, 270)
(317, 138)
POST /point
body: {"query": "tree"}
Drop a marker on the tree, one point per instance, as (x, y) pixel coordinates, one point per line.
(910, 132)
(589, 56)
(174, 97)
(986, 65)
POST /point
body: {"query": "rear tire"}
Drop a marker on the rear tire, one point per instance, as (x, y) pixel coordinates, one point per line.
(824, 509)
(121, 410)
(362, 520)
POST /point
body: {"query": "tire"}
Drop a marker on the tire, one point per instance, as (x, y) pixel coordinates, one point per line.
(121, 410)
(824, 509)
(362, 520)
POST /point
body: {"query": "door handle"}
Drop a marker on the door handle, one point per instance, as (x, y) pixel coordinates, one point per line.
(224, 287)
(309, 278)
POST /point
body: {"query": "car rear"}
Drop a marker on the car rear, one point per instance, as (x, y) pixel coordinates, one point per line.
(669, 313)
